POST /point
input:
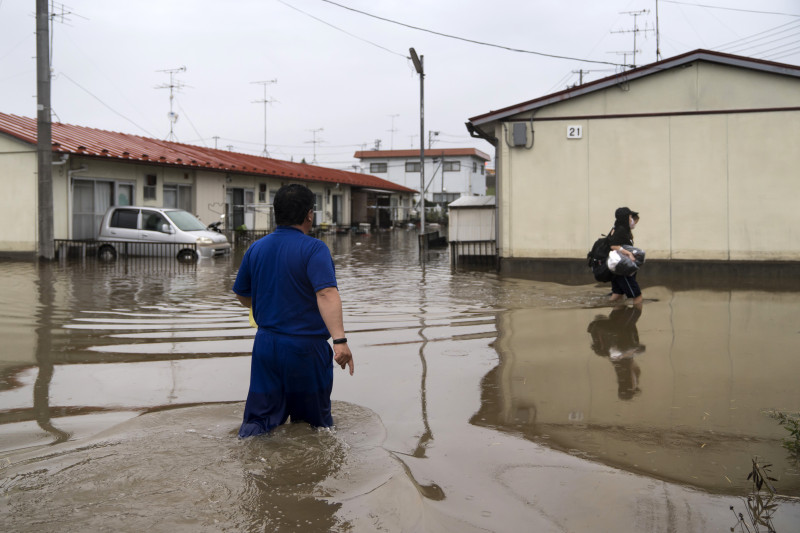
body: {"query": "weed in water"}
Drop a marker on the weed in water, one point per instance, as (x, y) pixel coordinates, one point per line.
(791, 422)
(760, 505)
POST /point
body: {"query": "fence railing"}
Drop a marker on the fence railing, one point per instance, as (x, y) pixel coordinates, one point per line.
(111, 250)
(482, 253)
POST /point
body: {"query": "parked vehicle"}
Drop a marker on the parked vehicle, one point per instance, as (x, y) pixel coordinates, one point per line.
(214, 226)
(156, 231)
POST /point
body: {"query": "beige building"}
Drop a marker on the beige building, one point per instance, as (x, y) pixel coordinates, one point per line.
(96, 169)
(704, 145)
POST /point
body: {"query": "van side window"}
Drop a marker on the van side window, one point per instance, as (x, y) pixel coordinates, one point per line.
(152, 221)
(124, 218)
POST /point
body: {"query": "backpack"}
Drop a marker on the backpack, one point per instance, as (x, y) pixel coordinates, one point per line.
(597, 259)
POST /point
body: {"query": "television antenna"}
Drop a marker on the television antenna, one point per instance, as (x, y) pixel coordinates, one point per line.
(265, 101)
(173, 86)
(314, 142)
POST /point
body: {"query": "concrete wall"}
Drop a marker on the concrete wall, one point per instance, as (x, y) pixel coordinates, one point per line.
(708, 186)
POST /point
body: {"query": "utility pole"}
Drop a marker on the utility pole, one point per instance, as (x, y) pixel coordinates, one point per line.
(314, 143)
(216, 138)
(44, 133)
(580, 75)
(431, 135)
(391, 139)
(172, 86)
(419, 66)
(635, 30)
(265, 101)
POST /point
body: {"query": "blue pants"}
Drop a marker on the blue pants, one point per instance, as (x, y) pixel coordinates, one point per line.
(290, 376)
(626, 285)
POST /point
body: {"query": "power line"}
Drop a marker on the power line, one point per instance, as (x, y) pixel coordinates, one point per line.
(766, 34)
(341, 30)
(731, 8)
(105, 104)
(469, 40)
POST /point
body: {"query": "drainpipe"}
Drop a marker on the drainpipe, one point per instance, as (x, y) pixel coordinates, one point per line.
(70, 173)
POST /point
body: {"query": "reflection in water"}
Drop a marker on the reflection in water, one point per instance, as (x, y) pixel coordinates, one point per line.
(439, 349)
(44, 362)
(714, 362)
(615, 336)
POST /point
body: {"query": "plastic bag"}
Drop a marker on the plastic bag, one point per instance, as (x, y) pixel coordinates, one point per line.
(613, 260)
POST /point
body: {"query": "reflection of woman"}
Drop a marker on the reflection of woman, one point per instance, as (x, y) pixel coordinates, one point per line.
(622, 235)
(617, 338)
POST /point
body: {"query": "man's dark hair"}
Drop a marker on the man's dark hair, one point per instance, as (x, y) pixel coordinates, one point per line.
(292, 204)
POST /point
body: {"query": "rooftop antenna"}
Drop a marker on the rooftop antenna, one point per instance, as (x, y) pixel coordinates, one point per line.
(658, 38)
(265, 101)
(634, 31)
(172, 86)
(391, 139)
(314, 143)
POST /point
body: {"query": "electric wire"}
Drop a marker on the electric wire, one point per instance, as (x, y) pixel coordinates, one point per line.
(731, 8)
(473, 41)
(341, 30)
(87, 91)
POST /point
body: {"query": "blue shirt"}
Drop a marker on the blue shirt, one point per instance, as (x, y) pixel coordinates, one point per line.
(282, 273)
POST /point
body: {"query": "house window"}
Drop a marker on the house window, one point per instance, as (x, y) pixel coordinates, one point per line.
(451, 166)
(482, 170)
(90, 200)
(412, 166)
(377, 167)
(262, 192)
(474, 166)
(178, 196)
(150, 182)
(445, 197)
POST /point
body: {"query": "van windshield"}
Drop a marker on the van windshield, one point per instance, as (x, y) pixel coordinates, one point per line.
(185, 221)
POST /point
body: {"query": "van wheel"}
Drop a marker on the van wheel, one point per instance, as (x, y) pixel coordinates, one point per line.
(107, 253)
(187, 256)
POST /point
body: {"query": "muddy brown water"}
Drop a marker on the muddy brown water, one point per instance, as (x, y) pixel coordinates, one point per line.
(479, 403)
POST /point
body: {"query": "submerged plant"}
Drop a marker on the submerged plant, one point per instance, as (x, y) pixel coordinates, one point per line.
(791, 422)
(760, 506)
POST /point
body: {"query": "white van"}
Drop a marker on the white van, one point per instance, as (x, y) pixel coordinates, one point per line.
(157, 231)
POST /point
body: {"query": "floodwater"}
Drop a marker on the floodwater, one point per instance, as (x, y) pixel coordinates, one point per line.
(479, 403)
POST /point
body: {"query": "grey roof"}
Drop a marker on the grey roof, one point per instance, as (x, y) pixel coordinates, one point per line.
(473, 201)
(629, 75)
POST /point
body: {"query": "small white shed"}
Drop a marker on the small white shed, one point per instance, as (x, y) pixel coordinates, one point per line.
(471, 230)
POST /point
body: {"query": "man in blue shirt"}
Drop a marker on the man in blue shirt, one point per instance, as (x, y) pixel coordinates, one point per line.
(289, 281)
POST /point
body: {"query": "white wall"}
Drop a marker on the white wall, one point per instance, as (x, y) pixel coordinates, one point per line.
(18, 181)
(708, 186)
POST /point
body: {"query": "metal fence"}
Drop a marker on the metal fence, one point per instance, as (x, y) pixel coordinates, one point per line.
(112, 250)
(482, 253)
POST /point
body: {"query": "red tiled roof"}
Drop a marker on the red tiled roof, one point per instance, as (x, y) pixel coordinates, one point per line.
(429, 152)
(90, 142)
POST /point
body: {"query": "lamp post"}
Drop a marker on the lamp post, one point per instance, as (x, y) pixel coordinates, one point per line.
(418, 64)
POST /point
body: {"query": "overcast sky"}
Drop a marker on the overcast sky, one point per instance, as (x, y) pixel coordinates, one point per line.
(343, 77)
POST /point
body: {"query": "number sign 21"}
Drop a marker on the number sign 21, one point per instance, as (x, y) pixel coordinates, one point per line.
(574, 132)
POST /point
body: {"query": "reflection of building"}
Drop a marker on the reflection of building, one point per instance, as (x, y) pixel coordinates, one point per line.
(450, 173)
(646, 138)
(95, 169)
(714, 361)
